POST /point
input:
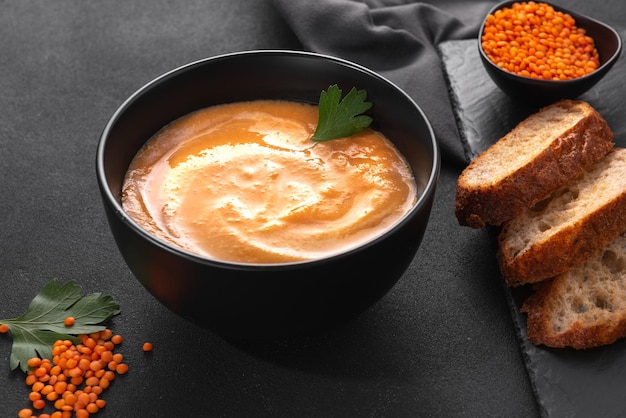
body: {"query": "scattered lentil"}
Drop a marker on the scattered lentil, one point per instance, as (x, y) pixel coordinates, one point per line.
(75, 377)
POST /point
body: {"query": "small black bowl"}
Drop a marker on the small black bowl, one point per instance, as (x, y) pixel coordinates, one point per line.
(541, 92)
(250, 301)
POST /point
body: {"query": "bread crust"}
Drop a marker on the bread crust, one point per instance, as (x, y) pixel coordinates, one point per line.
(540, 330)
(565, 158)
(578, 309)
(564, 250)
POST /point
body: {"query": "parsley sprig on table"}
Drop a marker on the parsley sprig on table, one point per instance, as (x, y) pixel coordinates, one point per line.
(339, 118)
(36, 330)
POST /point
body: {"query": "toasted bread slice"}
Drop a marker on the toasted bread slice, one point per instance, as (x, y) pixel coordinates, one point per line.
(568, 227)
(541, 154)
(584, 307)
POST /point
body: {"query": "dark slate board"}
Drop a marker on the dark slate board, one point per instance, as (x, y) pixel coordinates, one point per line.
(567, 383)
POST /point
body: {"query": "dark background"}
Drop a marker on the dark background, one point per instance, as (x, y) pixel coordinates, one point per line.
(441, 343)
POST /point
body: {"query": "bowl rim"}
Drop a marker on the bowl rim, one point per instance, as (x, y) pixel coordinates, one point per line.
(422, 198)
(541, 82)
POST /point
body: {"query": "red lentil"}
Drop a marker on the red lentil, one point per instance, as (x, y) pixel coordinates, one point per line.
(534, 40)
(25, 413)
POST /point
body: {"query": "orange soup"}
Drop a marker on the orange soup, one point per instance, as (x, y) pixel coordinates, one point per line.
(244, 182)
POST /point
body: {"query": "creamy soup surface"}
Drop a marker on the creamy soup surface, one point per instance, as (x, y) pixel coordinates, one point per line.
(244, 182)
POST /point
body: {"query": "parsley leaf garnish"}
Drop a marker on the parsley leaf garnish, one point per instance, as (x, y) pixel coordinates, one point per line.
(36, 330)
(339, 118)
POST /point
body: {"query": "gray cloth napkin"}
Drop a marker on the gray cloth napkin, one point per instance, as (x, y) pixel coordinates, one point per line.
(398, 39)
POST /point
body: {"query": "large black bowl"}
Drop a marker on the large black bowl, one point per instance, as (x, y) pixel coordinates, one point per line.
(542, 92)
(240, 300)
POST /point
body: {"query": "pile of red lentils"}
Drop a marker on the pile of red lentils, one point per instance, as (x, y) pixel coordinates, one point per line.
(72, 383)
(534, 40)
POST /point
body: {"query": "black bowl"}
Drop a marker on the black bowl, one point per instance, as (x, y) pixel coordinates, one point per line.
(541, 92)
(245, 301)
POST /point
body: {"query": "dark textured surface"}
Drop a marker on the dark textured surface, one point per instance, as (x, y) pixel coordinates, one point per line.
(441, 343)
(567, 382)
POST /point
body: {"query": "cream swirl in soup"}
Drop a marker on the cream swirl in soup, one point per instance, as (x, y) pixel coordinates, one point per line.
(244, 182)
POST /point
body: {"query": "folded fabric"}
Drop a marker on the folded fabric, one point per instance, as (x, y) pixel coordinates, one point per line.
(398, 39)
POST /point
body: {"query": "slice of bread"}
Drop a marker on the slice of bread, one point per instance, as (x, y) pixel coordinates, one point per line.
(541, 154)
(568, 227)
(584, 307)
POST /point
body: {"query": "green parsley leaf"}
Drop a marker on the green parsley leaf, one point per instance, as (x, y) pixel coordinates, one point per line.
(36, 330)
(339, 118)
